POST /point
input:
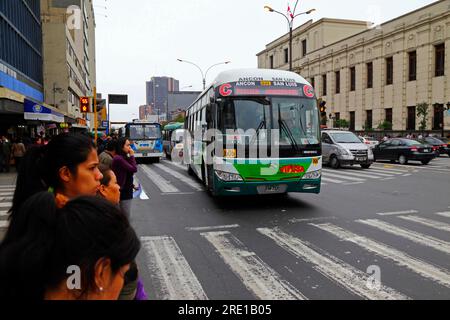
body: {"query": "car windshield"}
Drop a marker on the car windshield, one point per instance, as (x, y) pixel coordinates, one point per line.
(345, 137)
(412, 143)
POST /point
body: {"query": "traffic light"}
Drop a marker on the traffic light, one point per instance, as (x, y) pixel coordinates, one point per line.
(85, 105)
(323, 108)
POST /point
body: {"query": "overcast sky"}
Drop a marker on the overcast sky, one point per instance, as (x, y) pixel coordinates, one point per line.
(138, 39)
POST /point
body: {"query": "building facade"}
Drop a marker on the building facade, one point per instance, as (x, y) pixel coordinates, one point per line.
(376, 77)
(179, 102)
(68, 28)
(157, 91)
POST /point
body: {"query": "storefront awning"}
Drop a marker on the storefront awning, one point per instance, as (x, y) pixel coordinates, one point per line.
(35, 111)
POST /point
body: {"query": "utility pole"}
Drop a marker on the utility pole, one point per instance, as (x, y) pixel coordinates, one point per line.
(95, 114)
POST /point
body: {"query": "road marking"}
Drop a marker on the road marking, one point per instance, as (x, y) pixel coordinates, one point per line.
(189, 181)
(261, 280)
(4, 213)
(384, 179)
(429, 223)
(170, 270)
(444, 214)
(230, 226)
(332, 180)
(400, 258)
(163, 184)
(8, 186)
(176, 193)
(6, 193)
(383, 172)
(178, 165)
(3, 198)
(416, 237)
(5, 205)
(311, 219)
(361, 175)
(396, 213)
(327, 173)
(352, 183)
(4, 223)
(407, 175)
(331, 267)
(390, 170)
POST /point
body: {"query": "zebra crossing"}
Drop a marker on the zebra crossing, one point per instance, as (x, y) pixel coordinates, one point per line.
(6, 196)
(171, 178)
(175, 278)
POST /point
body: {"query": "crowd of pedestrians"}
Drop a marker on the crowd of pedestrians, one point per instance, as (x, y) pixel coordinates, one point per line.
(69, 234)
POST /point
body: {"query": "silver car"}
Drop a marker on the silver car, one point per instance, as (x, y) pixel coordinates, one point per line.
(341, 148)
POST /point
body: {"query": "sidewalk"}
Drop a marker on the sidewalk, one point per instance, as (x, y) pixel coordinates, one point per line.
(7, 184)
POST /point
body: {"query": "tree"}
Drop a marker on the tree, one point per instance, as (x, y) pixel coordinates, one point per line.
(342, 123)
(422, 113)
(385, 125)
(179, 118)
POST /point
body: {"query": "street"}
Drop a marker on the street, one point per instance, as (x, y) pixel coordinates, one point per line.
(381, 233)
(389, 222)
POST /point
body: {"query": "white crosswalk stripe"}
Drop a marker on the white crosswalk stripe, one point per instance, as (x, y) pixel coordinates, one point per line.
(5, 205)
(189, 181)
(328, 173)
(4, 223)
(10, 193)
(332, 180)
(164, 185)
(402, 259)
(7, 187)
(444, 214)
(3, 213)
(384, 173)
(170, 270)
(416, 237)
(331, 267)
(362, 175)
(261, 280)
(428, 222)
(175, 164)
(3, 198)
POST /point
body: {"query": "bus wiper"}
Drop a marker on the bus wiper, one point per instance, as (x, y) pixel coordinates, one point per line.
(289, 134)
(262, 124)
(286, 129)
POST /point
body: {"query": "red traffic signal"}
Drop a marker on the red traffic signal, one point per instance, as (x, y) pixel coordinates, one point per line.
(84, 105)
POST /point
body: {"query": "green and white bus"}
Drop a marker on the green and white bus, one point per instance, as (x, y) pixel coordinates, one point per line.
(266, 134)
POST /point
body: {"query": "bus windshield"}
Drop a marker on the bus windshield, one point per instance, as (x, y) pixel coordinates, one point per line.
(296, 118)
(144, 131)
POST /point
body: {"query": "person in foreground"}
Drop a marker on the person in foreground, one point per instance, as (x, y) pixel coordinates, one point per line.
(79, 252)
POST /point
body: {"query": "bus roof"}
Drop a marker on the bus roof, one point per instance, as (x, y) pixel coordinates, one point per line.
(255, 74)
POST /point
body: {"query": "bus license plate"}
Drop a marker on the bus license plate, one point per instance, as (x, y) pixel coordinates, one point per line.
(144, 154)
(274, 188)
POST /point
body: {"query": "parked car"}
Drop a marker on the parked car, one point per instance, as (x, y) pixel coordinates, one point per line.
(371, 142)
(439, 146)
(344, 148)
(404, 150)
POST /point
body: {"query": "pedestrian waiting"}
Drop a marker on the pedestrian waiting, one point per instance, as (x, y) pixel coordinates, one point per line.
(79, 252)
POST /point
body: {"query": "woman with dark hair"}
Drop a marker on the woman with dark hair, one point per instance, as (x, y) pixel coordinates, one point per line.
(67, 167)
(109, 189)
(124, 166)
(79, 252)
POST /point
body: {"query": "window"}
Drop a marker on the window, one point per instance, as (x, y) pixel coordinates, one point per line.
(352, 78)
(271, 62)
(440, 60)
(338, 81)
(412, 58)
(388, 115)
(352, 121)
(438, 118)
(303, 48)
(286, 55)
(324, 85)
(411, 122)
(370, 75)
(389, 71)
(369, 120)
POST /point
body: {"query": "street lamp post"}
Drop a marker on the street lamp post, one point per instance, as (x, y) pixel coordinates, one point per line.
(201, 71)
(290, 20)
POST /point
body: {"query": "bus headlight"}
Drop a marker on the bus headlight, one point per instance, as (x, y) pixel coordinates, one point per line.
(312, 175)
(228, 177)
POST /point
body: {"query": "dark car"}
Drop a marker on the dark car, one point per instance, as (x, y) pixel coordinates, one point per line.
(403, 150)
(446, 143)
(439, 147)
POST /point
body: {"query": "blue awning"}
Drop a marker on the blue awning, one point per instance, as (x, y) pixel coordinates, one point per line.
(35, 111)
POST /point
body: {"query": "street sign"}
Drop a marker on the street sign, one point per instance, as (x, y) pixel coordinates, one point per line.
(118, 99)
(104, 124)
